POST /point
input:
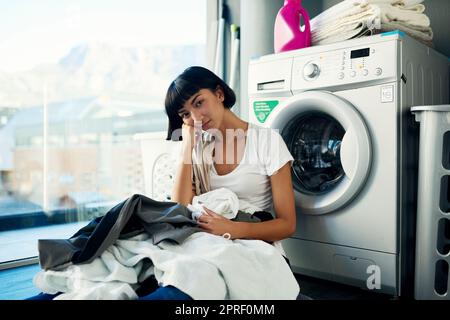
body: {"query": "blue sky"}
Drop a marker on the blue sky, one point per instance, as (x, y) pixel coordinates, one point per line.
(35, 32)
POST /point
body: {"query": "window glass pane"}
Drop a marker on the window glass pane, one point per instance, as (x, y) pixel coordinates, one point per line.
(78, 79)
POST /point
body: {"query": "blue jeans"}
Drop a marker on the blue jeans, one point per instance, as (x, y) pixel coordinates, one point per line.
(162, 293)
(43, 296)
(166, 293)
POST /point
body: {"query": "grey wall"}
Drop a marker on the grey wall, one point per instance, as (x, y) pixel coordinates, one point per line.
(437, 10)
(439, 13)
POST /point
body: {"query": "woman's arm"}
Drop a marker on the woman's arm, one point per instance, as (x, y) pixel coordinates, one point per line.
(182, 191)
(281, 227)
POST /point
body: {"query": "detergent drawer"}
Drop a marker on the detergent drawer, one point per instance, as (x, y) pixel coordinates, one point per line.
(270, 78)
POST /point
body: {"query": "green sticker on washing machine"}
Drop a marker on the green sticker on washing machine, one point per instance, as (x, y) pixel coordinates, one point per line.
(262, 109)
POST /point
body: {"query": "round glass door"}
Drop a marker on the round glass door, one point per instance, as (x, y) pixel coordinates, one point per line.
(314, 141)
(331, 147)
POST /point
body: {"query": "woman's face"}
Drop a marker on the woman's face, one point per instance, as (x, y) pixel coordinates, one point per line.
(205, 107)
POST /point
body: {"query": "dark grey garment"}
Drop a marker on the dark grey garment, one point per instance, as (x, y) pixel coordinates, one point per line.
(137, 214)
(160, 220)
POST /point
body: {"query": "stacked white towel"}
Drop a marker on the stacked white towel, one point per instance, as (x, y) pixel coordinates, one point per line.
(356, 18)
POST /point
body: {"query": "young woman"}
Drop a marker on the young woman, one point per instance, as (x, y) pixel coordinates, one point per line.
(197, 98)
(251, 161)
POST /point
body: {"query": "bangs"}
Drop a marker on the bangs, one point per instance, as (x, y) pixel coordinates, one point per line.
(178, 93)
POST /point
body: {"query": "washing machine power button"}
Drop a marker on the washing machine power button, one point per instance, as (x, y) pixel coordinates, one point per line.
(311, 71)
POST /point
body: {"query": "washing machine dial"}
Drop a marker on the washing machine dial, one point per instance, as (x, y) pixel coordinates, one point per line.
(311, 71)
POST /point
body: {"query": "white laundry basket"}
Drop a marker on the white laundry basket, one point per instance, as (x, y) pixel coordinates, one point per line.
(159, 158)
(432, 279)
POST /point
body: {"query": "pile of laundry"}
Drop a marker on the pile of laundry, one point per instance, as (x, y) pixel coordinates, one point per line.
(357, 18)
(141, 239)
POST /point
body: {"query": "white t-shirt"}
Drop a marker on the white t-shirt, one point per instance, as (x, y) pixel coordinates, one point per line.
(265, 153)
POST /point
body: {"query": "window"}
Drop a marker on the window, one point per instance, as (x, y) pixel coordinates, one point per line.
(78, 79)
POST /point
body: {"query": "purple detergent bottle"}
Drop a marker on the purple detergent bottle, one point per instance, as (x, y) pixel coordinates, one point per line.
(287, 32)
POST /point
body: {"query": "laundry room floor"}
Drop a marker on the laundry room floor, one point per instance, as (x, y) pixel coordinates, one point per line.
(17, 284)
(318, 289)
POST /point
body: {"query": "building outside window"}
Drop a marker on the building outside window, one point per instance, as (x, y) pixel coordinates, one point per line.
(78, 79)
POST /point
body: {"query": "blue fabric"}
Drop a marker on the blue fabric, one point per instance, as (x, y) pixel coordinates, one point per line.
(166, 293)
(43, 296)
(162, 293)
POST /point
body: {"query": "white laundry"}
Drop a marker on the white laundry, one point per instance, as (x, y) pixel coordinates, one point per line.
(222, 201)
(424, 34)
(352, 24)
(355, 18)
(225, 202)
(336, 12)
(404, 3)
(416, 6)
(407, 16)
(232, 269)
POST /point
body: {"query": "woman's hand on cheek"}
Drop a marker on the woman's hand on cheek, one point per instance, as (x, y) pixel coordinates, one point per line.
(191, 132)
(215, 223)
(188, 135)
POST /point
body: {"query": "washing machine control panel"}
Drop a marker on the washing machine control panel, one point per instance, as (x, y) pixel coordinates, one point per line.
(345, 66)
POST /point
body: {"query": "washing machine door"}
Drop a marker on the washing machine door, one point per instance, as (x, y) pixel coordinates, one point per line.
(331, 147)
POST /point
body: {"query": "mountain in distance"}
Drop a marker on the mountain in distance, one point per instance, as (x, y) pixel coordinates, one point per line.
(96, 69)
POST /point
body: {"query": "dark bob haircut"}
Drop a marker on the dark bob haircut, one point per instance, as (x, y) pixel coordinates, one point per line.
(191, 81)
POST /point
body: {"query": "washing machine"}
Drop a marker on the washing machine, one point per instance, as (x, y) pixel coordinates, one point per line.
(344, 112)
